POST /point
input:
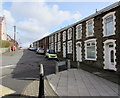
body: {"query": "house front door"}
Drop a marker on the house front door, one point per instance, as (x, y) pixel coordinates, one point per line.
(78, 52)
(111, 57)
(64, 50)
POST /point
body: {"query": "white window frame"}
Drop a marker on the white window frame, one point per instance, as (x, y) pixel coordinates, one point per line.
(78, 31)
(49, 46)
(55, 47)
(52, 46)
(80, 51)
(49, 39)
(87, 35)
(59, 46)
(114, 23)
(64, 36)
(59, 34)
(55, 37)
(52, 39)
(91, 41)
(105, 51)
(69, 33)
(68, 50)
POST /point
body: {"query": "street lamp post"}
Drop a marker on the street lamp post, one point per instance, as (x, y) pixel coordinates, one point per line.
(14, 34)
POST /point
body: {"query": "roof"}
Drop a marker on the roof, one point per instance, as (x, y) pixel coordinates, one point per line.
(114, 5)
(91, 16)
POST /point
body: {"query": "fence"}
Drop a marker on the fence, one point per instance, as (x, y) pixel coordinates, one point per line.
(62, 63)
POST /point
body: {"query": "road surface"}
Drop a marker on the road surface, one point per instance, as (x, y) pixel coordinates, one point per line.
(22, 67)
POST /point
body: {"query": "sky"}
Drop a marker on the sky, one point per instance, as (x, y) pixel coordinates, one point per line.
(34, 20)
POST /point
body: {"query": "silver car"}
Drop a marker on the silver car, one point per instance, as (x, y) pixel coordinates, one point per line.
(40, 50)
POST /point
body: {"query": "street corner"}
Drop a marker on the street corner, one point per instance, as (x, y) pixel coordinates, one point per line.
(31, 89)
(5, 91)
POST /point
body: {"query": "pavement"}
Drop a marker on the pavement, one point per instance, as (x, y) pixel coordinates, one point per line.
(23, 81)
(110, 75)
(32, 89)
(74, 82)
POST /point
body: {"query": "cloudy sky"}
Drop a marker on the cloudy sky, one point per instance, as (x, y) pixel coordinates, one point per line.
(35, 20)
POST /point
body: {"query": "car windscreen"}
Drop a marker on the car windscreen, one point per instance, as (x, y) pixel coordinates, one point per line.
(40, 49)
(52, 51)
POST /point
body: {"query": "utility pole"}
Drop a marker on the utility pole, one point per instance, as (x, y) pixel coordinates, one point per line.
(14, 34)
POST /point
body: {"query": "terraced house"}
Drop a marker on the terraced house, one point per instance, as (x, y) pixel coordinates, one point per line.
(93, 41)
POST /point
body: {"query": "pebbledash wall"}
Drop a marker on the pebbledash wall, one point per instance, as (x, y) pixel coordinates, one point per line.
(93, 41)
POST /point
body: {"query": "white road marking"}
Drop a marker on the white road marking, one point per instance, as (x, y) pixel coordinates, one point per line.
(7, 66)
(2, 77)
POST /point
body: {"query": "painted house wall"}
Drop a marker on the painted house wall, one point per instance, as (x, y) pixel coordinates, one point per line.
(3, 29)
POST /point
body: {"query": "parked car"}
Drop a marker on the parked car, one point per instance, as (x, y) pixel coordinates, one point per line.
(51, 54)
(32, 48)
(40, 50)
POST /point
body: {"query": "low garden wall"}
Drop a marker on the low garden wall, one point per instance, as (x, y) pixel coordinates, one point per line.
(3, 50)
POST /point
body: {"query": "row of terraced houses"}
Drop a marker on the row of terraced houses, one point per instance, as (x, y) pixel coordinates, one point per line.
(94, 41)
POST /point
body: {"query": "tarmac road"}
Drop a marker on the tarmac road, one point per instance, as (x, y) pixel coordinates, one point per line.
(22, 67)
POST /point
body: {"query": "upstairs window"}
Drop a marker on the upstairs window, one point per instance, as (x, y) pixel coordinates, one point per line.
(52, 46)
(89, 28)
(52, 39)
(59, 46)
(55, 37)
(69, 33)
(64, 36)
(69, 47)
(58, 36)
(79, 31)
(55, 47)
(109, 24)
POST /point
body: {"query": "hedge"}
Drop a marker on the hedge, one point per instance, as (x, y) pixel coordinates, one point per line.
(5, 44)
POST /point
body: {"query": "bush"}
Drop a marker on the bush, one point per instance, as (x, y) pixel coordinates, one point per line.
(5, 44)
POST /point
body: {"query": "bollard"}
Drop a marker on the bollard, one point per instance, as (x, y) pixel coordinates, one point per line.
(41, 84)
(68, 64)
(78, 65)
(56, 71)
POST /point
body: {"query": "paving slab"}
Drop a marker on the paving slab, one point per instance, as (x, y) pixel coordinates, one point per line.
(74, 82)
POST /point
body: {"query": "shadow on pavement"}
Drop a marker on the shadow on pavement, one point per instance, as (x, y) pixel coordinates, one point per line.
(18, 96)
